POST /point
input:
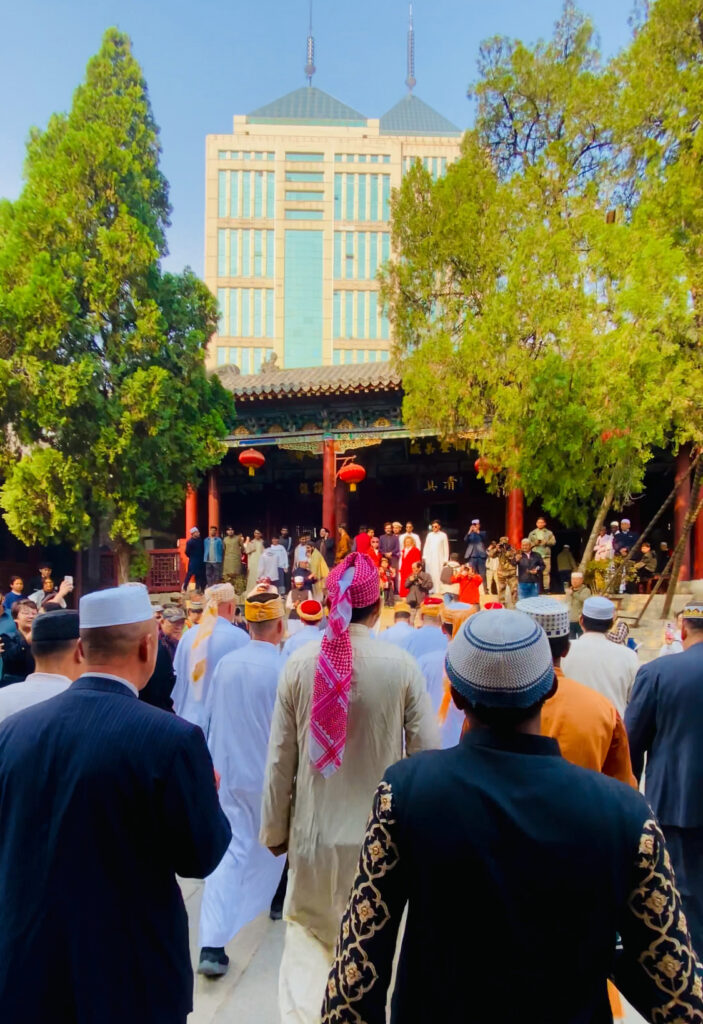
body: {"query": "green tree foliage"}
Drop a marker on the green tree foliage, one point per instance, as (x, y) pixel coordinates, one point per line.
(106, 409)
(525, 312)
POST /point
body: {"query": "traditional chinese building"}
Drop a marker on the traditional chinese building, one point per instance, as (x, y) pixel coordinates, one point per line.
(307, 421)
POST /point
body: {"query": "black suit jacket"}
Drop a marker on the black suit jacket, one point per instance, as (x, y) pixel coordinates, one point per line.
(518, 869)
(103, 800)
(664, 719)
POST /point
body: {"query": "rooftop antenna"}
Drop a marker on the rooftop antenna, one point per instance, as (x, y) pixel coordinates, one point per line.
(310, 68)
(411, 81)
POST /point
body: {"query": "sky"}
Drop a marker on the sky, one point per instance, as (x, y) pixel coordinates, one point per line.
(206, 61)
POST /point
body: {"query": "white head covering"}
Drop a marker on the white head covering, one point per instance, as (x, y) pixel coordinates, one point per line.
(220, 593)
(599, 608)
(118, 606)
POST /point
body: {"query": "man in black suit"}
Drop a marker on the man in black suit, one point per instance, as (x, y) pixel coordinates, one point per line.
(519, 870)
(103, 801)
(664, 720)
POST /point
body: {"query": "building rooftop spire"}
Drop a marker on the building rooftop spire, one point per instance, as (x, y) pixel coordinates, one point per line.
(411, 81)
(310, 68)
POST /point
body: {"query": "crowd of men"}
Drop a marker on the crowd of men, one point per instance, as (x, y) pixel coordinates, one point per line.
(498, 749)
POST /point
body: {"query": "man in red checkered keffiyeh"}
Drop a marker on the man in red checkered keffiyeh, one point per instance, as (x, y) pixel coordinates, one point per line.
(354, 583)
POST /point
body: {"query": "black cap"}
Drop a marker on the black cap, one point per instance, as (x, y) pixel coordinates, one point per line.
(53, 626)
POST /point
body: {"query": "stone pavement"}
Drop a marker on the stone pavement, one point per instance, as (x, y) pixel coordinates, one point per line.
(248, 994)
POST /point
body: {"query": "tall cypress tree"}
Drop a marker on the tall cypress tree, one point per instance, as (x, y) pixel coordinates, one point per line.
(105, 406)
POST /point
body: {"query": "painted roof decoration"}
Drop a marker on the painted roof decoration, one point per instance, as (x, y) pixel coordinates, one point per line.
(312, 380)
(412, 116)
(307, 105)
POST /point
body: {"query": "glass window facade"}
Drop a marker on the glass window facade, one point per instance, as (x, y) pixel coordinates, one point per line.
(246, 195)
(358, 254)
(246, 312)
(305, 158)
(302, 314)
(304, 214)
(357, 314)
(362, 197)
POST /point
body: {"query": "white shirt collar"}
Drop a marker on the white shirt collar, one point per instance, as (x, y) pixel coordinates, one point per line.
(47, 677)
(116, 679)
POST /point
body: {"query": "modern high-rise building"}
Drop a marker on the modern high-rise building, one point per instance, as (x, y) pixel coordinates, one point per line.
(297, 212)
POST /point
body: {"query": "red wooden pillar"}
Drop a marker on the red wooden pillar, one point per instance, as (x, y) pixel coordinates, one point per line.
(681, 504)
(698, 544)
(341, 505)
(514, 519)
(213, 499)
(191, 509)
(329, 481)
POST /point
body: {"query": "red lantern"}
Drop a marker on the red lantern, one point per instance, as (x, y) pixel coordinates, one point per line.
(352, 474)
(483, 465)
(252, 459)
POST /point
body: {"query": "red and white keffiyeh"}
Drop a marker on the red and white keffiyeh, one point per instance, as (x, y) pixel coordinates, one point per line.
(353, 583)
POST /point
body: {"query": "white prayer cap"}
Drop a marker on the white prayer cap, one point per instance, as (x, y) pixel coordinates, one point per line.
(194, 529)
(118, 606)
(599, 608)
(550, 614)
(475, 522)
(625, 521)
(615, 522)
(220, 593)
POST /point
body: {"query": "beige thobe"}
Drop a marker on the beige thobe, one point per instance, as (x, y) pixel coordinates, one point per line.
(323, 820)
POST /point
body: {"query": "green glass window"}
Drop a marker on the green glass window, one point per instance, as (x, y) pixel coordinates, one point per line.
(373, 204)
(338, 197)
(362, 197)
(222, 193)
(246, 313)
(336, 357)
(360, 314)
(270, 268)
(234, 313)
(313, 197)
(258, 254)
(305, 157)
(258, 193)
(385, 247)
(337, 271)
(373, 314)
(221, 355)
(234, 193)
(361, 256)
(305, 176)
(349, 208)
(386, 211)
(246, 194)
(221, 309)
(246, 253)
(221, 253)
(373, 253)
(349, 314)
(304, 214)
(258, 325)
(337, 314)
(270, 327)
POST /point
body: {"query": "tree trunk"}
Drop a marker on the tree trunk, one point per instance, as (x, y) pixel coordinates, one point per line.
(600, 519)
(692, 514)
(123, 553)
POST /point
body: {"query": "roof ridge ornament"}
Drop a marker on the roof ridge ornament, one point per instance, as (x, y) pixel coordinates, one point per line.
(310, 68)
(410, 81)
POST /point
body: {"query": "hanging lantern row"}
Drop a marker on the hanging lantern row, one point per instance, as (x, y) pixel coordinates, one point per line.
(252, 459)
(352, 474)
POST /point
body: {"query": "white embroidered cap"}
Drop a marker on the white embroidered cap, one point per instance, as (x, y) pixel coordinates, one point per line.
(551, 615)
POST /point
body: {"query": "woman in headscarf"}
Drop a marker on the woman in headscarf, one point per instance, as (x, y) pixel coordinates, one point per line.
(319, 569)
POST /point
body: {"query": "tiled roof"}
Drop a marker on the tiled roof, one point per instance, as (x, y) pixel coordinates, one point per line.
(307, 105)
(312, 380)
(414, 117)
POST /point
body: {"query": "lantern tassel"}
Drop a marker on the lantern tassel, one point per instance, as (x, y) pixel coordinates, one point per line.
(251, 470)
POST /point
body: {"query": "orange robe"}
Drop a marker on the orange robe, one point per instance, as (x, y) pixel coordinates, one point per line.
(590, 731)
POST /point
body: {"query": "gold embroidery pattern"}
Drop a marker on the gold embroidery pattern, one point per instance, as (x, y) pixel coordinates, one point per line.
(353, 973)
(668, 960)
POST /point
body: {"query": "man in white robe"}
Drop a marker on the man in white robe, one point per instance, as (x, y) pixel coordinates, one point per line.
(436, 552)
(253, 549)
(449, 718)
(199, 651)
(310, 614)
(240, 705)
(401, 631)
(410, 532)
(429, 636)
(57, 663)
(274, 564)
(318, 817)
